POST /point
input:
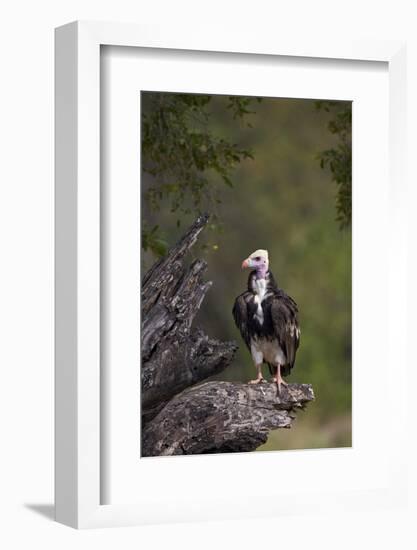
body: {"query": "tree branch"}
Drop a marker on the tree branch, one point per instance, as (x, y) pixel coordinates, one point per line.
(219, 417)
(159, 275)
(180, 364)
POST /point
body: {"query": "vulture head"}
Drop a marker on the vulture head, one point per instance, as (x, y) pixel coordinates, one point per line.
(259, 261)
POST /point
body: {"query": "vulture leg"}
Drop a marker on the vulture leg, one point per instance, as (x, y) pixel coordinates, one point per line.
(279, 380)
(259, 378)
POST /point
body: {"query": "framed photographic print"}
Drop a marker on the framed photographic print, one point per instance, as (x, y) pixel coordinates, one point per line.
(224, 270)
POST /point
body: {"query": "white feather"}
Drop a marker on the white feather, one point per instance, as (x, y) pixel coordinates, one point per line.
(267, 350)
(259, 288)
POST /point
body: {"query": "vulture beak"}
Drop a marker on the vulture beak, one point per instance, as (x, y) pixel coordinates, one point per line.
(245, 264)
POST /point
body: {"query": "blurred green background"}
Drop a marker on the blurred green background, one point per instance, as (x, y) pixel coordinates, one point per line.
(281, 200)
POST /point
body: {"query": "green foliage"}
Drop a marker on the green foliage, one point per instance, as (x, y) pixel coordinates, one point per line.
(241, 106)
(338, 159)
(187, 161)
(152, 240)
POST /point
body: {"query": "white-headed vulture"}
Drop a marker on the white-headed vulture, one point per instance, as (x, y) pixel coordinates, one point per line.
(268, 320)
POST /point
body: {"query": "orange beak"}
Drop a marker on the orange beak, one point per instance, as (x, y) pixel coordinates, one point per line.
(245, 264)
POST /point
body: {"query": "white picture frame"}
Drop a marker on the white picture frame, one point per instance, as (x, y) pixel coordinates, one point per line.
(78, 410)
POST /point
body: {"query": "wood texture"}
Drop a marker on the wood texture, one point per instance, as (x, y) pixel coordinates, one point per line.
(175, 356)
(181, 415)
(219, 417)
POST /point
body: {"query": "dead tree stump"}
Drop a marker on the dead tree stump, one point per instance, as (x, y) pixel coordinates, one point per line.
(180, 415)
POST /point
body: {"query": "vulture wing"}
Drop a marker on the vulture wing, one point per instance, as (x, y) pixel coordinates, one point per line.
(241, 316)
(284, 315)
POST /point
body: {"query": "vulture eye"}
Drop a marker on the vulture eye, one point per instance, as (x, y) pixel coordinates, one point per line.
(257, 258)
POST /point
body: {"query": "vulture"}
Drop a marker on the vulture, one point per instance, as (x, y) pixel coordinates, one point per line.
(267, 319)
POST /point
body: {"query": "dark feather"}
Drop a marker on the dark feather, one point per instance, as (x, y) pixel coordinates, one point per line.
(284, 313)
(280, 313)
(240, 315)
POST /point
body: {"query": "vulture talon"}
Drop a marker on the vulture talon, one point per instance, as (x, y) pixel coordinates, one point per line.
(257, 381)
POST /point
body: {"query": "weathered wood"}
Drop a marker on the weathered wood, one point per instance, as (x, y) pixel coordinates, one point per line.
(174, 309)
(162, 276)
(219, 417)
(173, 355)
(179, 364)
